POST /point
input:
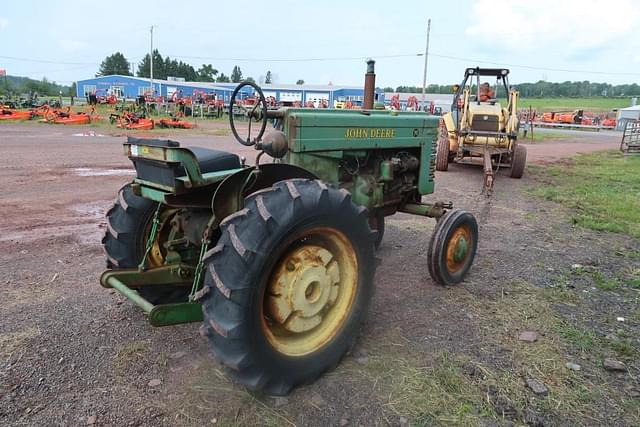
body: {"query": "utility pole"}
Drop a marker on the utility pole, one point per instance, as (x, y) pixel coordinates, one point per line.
(426, 59)
(153, 95)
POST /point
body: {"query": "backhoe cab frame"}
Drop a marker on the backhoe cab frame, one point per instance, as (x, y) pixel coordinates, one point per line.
(478, 127)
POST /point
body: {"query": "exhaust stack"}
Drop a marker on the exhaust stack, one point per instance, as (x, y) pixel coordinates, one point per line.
(369, 85)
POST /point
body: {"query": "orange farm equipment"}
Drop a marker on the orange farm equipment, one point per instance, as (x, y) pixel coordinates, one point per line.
(565, 117)
(175, 122)
(131, 121)
(68, 117)
(395, 102)
(7, 114)
(412, 104)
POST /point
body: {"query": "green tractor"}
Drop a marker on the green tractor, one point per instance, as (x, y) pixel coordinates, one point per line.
(278, 259)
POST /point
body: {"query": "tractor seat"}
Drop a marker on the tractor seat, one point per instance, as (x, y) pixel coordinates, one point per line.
(214, 160)
(209, 160)
(154, 171)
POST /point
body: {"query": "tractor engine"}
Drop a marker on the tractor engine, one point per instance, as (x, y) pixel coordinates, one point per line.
(384, 178)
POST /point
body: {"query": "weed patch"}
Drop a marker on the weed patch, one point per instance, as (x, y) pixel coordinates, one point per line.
(601, 189)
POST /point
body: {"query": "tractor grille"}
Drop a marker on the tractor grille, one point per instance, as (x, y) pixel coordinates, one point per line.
(485, 123)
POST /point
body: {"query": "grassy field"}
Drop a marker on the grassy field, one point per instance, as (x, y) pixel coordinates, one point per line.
(543, 136)
(592, 104)
(602, 189)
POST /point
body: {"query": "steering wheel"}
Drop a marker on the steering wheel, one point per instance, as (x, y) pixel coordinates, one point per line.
(250, 113)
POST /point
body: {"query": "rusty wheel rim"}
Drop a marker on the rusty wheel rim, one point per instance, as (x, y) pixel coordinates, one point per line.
(157, 254)
(310, 292)
(458, 249)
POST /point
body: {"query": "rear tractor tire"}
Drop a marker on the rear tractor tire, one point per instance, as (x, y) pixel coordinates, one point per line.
(452, 247)
(128, 226)
(442, 156)
(288, 285)
(518, 161)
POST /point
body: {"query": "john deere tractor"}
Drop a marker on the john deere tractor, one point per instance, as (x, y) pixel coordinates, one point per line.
(277, 258)
(478, 126)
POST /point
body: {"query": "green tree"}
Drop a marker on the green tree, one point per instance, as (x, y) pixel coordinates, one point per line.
(207, 73)
(174, 68)
(73, 89)
(236, 74)
(300, 82)
(158, 66)
(268, 78)
(114, 64)
(222, 78)
(250, 79)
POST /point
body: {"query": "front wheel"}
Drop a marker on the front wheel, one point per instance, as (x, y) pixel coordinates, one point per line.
(452, 247)
(288, 285)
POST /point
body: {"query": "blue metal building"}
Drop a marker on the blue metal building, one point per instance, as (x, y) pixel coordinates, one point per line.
(132, 87)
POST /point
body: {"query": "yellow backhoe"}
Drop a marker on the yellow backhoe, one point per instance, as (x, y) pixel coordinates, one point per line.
(478, 126)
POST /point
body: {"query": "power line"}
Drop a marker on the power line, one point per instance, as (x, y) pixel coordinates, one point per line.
(531, 67)
(344, 58)
(82, 67)
(457, 58)
(44, 61)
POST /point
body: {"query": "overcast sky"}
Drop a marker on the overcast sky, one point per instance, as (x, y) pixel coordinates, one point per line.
(554, 40)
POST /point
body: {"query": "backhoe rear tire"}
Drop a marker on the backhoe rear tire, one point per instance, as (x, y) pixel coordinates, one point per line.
(125, 240)
(296, 247)
(442, 156)
(518, 161)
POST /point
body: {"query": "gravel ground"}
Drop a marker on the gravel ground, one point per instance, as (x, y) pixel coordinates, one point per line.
(73, 353)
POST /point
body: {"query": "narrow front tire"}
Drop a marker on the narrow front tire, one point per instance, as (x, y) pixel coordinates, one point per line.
(452, 248)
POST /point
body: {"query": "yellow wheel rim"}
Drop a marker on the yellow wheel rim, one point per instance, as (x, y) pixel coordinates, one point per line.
(458, 249)
(310, 292)
(157, 254)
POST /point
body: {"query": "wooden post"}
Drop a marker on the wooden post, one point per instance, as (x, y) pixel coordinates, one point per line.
(531, 121)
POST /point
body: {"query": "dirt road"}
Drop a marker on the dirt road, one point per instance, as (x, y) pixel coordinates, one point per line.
(72, 353)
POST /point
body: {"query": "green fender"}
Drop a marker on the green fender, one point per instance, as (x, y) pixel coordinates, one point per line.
(230, 194)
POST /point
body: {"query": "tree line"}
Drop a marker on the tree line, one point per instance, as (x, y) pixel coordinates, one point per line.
(544, 89)
(167, 67)
(14, 85)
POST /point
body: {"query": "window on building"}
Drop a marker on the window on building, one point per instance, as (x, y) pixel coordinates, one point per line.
(89, 89)
(144, 90)
(117, 91)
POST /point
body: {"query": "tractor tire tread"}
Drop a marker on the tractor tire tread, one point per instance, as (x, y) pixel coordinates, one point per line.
(230, 322)
(518, 161)
(126, 223)
(123, 227)
(442, 154)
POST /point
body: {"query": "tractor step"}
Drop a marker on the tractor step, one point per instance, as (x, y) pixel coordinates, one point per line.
(160, 314)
